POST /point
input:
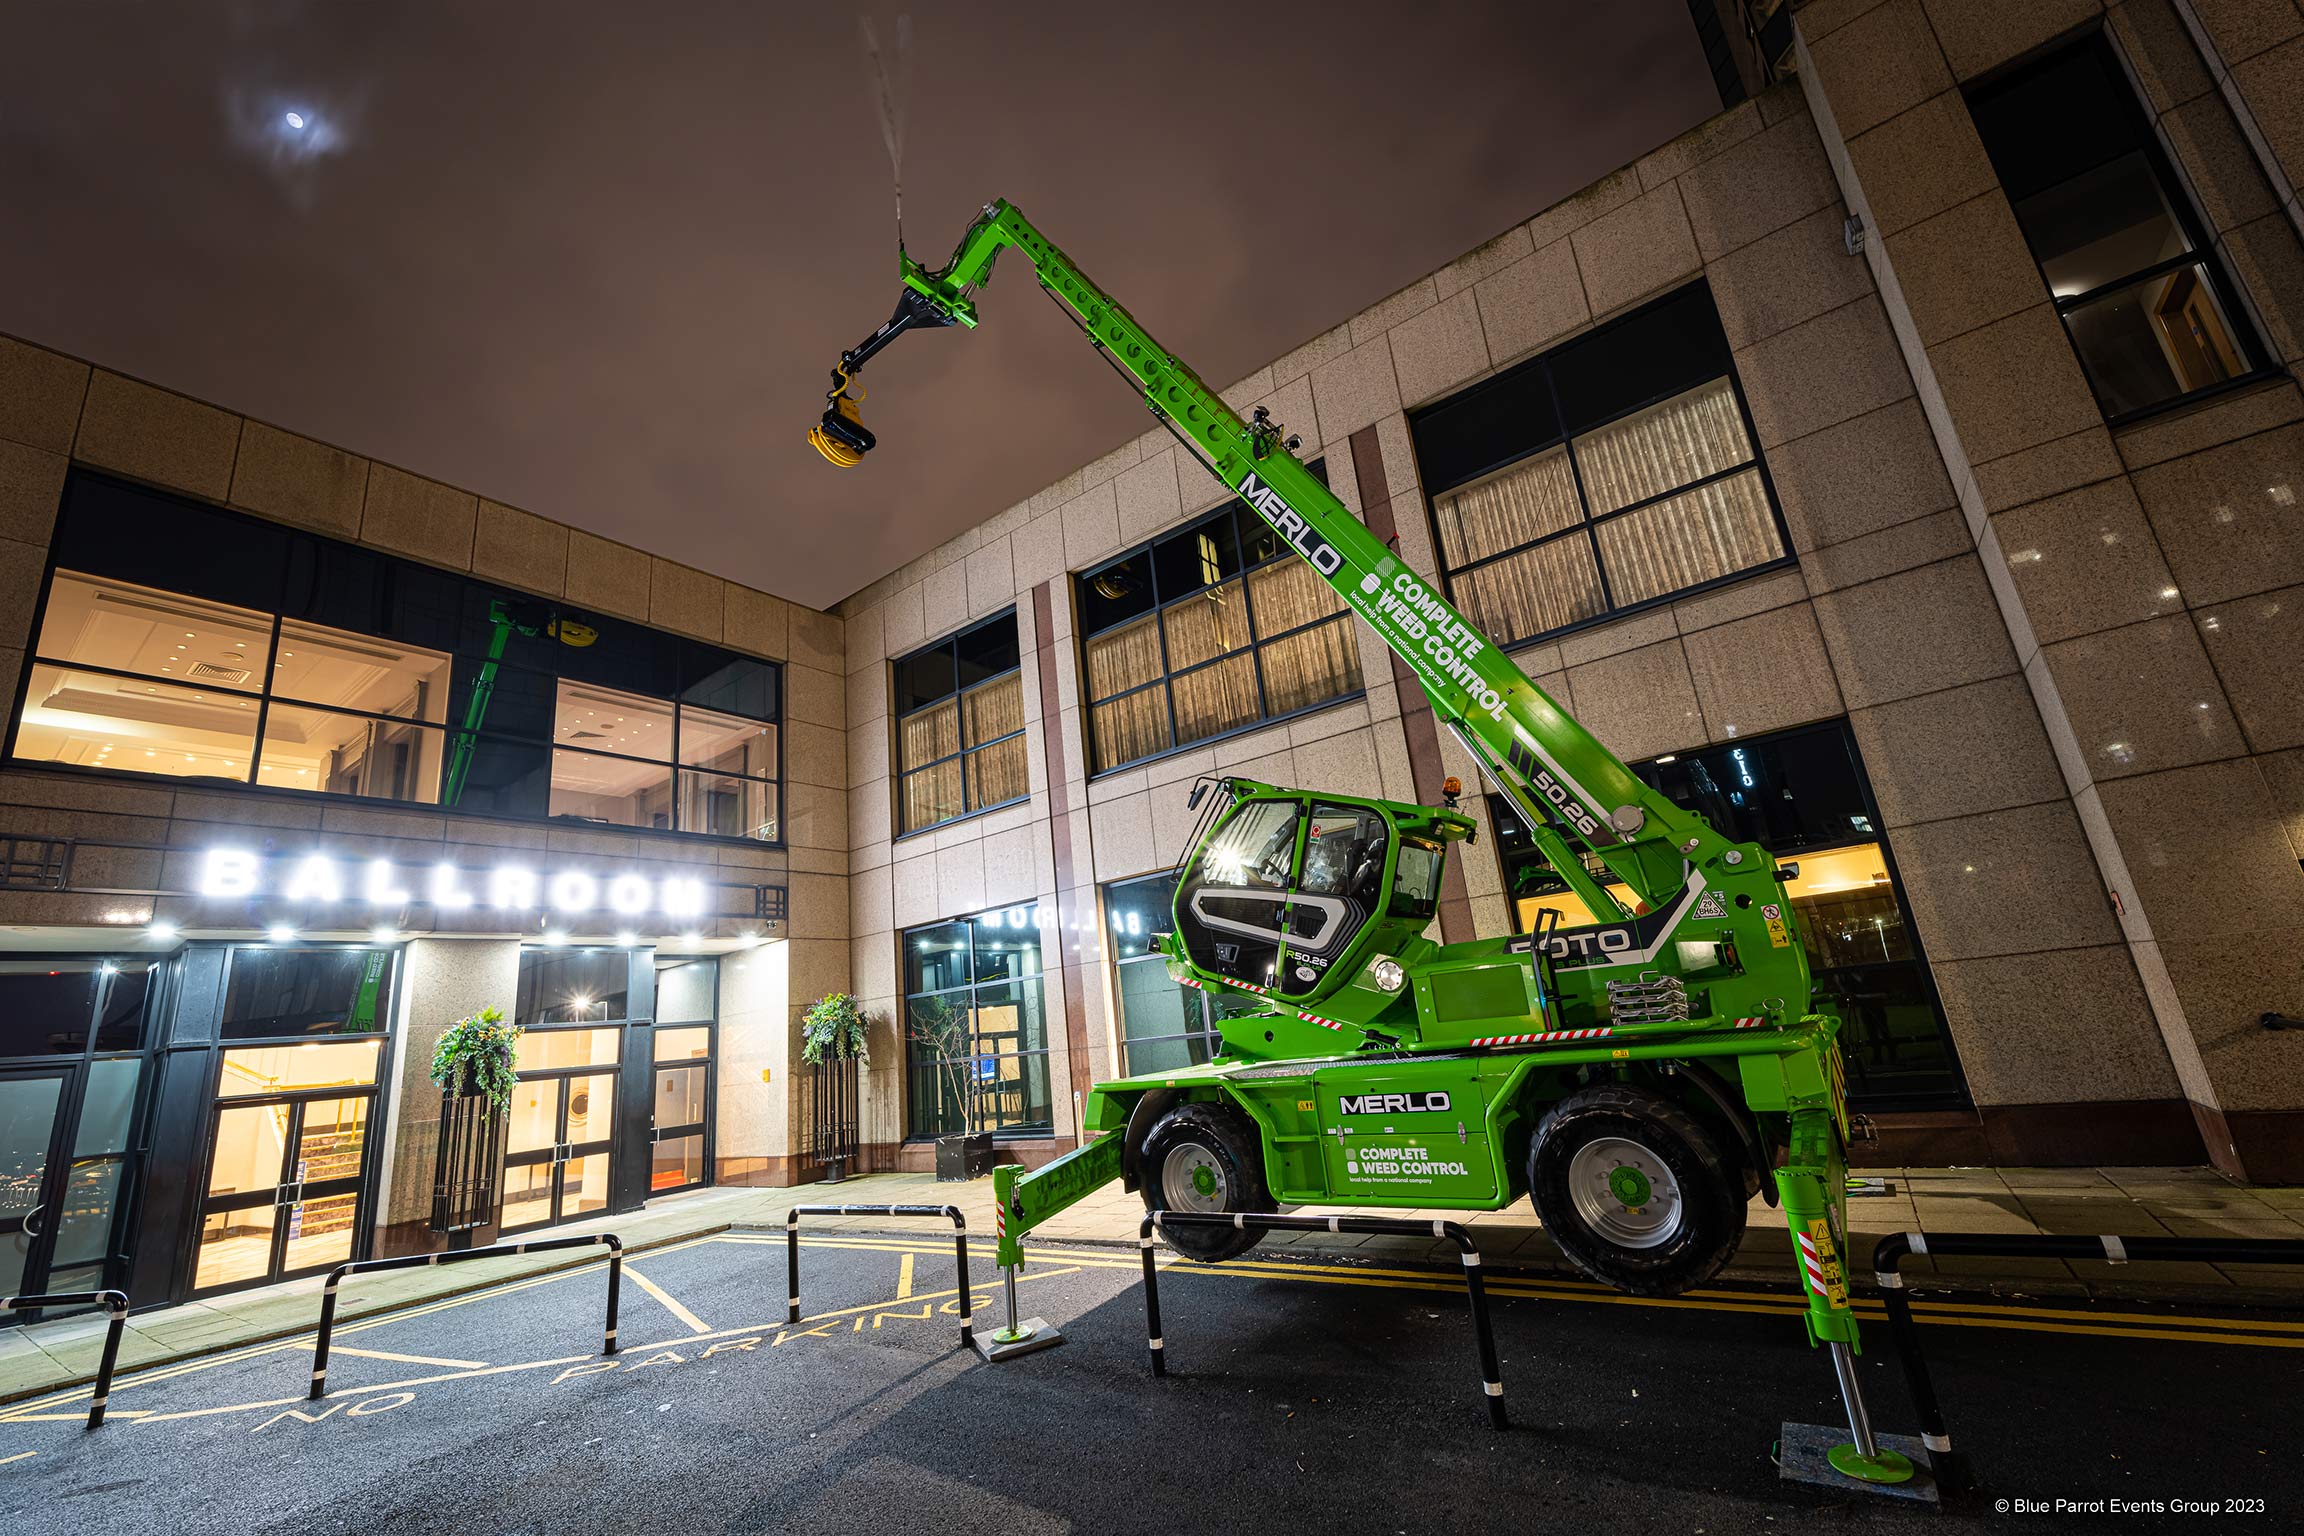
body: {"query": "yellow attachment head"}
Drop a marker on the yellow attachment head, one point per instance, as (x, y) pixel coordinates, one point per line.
(841, 436)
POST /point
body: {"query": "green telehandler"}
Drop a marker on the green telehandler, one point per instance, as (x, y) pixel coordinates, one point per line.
(1638, 1078)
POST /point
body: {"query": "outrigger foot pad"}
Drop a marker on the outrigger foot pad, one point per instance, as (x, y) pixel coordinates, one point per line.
(1028, 1336)
(1821, 1455)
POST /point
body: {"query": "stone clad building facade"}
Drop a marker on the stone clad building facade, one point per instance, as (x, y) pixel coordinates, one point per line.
(2042, 581)
(253, 874)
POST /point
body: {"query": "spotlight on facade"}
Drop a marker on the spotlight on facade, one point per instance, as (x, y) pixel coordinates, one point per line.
(161, 929)
(555, 935)
(280, 933)
(689, 940)
(383, 935)
(627, 939)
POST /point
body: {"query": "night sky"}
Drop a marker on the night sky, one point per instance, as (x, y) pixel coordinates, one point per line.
(594, 260)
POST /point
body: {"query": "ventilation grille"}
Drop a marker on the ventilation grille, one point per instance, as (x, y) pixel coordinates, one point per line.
(209, 672)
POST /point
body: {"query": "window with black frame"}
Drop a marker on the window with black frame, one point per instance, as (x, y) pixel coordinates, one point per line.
(186, 641)
(1612, 472)
(2123, 253)
(1163, 1024)
(290, 1149)
(1204, 631)
(1801, 795)
(73, 1041)
(976, 1033)
(960, 726)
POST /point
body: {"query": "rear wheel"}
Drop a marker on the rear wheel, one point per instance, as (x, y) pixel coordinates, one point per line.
(1635, 1190)
(1205, 1158)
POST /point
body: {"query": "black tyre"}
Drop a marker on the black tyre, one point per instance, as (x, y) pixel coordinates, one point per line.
(1637, 1192)
(1206, 1158)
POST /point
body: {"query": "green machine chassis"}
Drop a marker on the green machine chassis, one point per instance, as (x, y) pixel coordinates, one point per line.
(1399, 1071)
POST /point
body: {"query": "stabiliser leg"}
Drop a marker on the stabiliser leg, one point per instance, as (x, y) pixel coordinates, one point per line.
(1812, 1172)
(1018, 1337)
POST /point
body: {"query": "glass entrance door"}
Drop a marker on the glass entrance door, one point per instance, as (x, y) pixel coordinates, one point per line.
(283, 1189)
(556, 1158)
(678, 1153)
(31, 1167)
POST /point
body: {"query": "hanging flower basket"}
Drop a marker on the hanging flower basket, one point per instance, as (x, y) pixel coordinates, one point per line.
(476, 1055)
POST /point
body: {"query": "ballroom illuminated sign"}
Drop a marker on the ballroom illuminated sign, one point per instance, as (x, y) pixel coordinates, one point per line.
(238, 873)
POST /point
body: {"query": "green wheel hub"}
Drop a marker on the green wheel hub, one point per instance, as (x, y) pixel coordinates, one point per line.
(1204, 1179)
(1625, 1193)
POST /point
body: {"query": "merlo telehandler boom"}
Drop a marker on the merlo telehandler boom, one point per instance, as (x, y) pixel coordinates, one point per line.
(1638, 1077)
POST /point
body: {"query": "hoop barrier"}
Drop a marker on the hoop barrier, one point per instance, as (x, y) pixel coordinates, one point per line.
(336, 1277)
(1904, 1330)
(959, 1252)
(113, 1302)
(1491, 1381)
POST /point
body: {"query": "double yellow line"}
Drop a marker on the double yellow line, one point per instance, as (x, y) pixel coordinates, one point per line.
(2171, 1327)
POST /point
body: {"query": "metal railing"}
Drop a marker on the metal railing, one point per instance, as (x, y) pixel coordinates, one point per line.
(959, 1252)
(1905, 1333)
(467, 1165)
(834, 1126)
(427, 1260)
(1491, 1381)
(113, 1302)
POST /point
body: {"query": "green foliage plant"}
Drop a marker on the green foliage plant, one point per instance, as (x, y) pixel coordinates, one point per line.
(834, 1028)
(475, 1055)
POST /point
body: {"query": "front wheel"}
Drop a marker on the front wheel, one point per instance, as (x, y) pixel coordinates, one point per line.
(1635, 1190)
(1205, 1158)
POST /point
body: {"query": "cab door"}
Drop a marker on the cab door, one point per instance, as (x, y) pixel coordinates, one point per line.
(1280, 891)
(1232, 904)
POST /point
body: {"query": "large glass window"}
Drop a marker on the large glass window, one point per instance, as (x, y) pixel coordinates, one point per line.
(182, 640)
(282, 991)
(573, 986)
(1610, 473)
(135, 677)
(960, 726)
(1163, 1024)
(2120, 248)
(1800, 795)
(1208, 630)
(76, 1026)
(975, 1030)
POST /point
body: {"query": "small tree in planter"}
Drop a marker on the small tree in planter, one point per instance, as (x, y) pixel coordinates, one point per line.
(833, 1041)
(473, 1066)
(941, 1030)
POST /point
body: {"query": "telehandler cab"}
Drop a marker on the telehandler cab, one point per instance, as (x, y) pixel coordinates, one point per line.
(1639, 1079)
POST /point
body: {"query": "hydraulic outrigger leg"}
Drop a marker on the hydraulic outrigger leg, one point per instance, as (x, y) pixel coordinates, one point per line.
(1812, 1188)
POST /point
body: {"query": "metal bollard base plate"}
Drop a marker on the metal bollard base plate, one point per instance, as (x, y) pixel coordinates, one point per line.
(1810, 1453)
(1034, 1333)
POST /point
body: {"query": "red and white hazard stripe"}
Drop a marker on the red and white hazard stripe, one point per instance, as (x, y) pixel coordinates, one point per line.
(1749, 1023)
(1313, 1018)
(1812, 1264)
(1545, 1038)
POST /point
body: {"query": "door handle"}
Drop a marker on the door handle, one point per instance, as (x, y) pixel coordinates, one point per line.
(32, 1221)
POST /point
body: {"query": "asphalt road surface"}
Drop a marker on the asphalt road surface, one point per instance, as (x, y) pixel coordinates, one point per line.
(1323, 1395)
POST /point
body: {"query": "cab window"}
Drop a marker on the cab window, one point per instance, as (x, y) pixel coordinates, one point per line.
(1257, 849)
(1416, 883)
(1344, 853)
